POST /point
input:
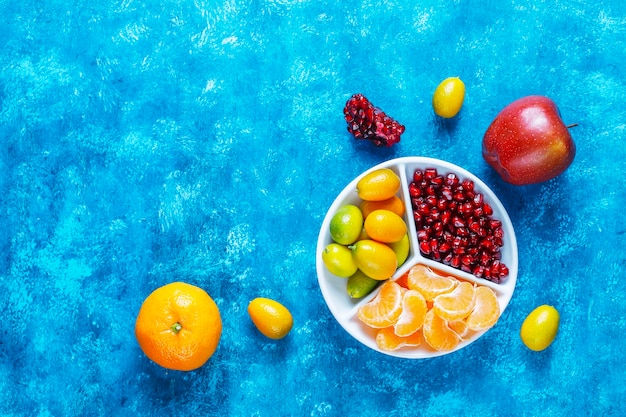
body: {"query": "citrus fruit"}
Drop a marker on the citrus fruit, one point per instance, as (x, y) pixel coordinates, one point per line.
(421, 278)
(346, 225)
(388, 341)
(456, 304)
(412, 316)
(385, 308)
(540, 327)
(460, 327)
(271, 317)
(486, 310)
(448, 97)
(178, 326)
(393, 204)
(377, 185)
(437, 334)
(385, 226)
(401, 249)
(338, 260)
(359, 284)
(375, 259)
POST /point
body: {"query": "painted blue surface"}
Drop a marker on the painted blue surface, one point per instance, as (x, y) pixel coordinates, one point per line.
(148, 142)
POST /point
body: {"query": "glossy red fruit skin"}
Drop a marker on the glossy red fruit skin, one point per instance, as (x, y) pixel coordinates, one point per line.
(528, 142)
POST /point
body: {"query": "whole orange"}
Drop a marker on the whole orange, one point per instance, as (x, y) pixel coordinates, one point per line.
(179, 326)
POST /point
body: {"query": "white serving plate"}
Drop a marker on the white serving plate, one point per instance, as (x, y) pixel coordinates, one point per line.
(333, 288)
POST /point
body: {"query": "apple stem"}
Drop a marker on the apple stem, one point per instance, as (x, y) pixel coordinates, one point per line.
(572, 125)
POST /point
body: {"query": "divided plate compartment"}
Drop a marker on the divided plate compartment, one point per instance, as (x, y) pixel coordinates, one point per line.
(344, 309)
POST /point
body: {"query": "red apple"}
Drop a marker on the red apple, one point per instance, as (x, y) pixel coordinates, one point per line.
(528, 142)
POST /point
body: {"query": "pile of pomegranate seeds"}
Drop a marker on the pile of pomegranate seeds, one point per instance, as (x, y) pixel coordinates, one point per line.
(370, 123)
(454, 224)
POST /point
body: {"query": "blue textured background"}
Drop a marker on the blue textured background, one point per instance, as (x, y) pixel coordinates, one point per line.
(147, 142)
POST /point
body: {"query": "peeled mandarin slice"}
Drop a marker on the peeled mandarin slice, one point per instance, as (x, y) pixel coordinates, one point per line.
(388, 341)
(457, 304)
(437, 334)
(423, 279)
(412, 316)
(385, 308)
(486, 310)
(460, 327)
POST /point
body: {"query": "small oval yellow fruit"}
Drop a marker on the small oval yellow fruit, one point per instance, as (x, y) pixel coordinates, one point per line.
(385, 226)
(338, 260)
(448, 97)
(346, 224)
(394, 204)
(271, 317)
(380, 184)
(540, 327)
(401, 249)
(374, 259)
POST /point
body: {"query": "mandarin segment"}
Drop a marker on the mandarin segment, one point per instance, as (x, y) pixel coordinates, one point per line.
(460, 327)
(412, 316)
(388, 340)
(457, 304)
(385, 308)
(421, 278)
(437, 334)
(486, 310)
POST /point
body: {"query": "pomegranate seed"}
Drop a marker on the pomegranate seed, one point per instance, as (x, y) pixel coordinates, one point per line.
(430, 173)
(494, 224)
(414, 190)
(468, 185)
(437, 181)
(452, 179)
(458, 222)
(445, 248)
(467, 208)
(424, 247)
(478, 271)
(431, 200)
(418, 176)
(487, 209)
(478, 200)
(438, 229)
(446, 192)
(504, 270)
